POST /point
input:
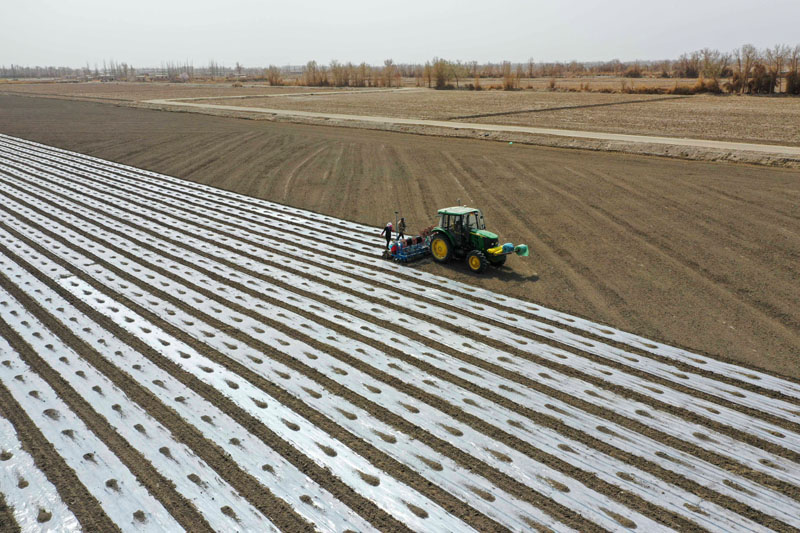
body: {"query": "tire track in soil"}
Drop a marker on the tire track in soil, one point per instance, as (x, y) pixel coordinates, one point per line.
(660, 247)
(201, 159)
(609, 490)
(365, 508)
(343, 154)
(523, 354)
(509, 484)
(252, 176)
(160, 487)
(579, 278)
(669, 384)
(7, 521)
(727, 231)
(293, 172)
(422, 189)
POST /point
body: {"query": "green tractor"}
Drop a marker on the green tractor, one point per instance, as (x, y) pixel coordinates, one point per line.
(461, 233)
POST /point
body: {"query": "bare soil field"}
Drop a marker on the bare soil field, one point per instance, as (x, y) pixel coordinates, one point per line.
(749, 119)
(695, 254)
(725, 118)
(133, 92)
(441, 105)
(175, 356)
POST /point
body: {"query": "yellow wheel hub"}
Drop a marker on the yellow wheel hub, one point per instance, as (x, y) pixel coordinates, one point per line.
(474, 262)
(439, 248)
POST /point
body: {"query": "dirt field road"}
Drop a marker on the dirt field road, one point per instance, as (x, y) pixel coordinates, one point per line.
(777, 150)
(697, 254)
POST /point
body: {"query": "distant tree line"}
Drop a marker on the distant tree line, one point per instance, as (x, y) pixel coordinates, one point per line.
(746, 70)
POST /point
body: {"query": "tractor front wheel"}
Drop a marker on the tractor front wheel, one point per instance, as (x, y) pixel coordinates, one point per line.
(476, 261)
(441, 250)
(500, 261)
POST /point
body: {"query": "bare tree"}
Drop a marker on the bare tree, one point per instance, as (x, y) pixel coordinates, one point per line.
(776, 57)
(441, 73)
(274, 76)
(508, 77)
(388, 72)
(749, 57)
(689, 65)
(457, 70)
(793, 76)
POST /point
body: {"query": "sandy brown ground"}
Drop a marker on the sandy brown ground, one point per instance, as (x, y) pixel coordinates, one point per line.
(695, 254)
(114, 91)
(750, 119)
(725, 118)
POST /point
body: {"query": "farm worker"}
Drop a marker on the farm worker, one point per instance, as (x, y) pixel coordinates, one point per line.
(387, 231)
(401, 228)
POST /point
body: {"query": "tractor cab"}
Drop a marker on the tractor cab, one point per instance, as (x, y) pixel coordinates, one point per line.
(466, 228)
(461, 222)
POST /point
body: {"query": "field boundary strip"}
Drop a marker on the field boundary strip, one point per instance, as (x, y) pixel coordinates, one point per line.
(777, 150)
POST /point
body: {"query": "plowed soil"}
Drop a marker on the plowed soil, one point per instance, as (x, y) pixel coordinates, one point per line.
(749, 119)
(695, 254)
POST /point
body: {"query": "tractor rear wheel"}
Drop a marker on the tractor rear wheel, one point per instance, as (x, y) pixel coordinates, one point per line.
(441, 249)
(476, 261)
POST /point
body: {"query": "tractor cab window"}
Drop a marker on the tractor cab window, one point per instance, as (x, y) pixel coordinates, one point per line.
(473, 221)
(447, 221)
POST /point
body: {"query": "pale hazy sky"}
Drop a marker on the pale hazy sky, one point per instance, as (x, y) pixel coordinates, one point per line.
(256, 33)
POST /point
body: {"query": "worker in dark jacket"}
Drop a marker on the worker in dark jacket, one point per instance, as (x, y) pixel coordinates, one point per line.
(387, 231)
(401, 228)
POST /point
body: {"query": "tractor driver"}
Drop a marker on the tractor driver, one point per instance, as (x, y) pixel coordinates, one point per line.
(459, 229)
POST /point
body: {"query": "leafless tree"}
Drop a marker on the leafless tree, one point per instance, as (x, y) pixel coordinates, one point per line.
(749, 57)
(793, 76)
(508, 78)
(273, 76)
(441, 73)
(776, 58)
(388, 72)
